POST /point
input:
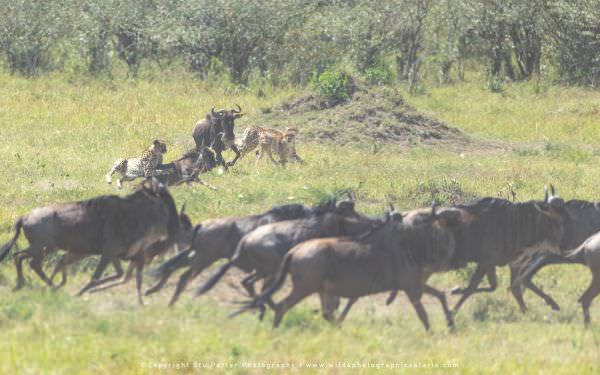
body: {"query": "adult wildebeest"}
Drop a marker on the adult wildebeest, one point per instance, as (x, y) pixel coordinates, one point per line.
(394, 256)
(582, 221)
(187, 168)
(218, 238)
(216, 131)
(588, 253)
(495, 232)
(182, 239)
(261, 251)
(110, 226)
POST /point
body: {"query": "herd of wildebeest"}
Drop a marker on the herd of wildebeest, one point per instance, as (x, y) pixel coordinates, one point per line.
(329, 249)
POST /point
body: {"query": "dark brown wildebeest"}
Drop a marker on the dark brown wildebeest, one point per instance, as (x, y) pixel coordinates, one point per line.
(588, 253)
(394, 256)
(582, 221)
(111, 226)
(181, 239)
(261, 251)
(218, 239)
(216, 131)
(495, 232)
(187, 168)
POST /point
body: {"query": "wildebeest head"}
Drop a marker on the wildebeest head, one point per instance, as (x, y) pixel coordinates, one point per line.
(159, 146)
(226, 118)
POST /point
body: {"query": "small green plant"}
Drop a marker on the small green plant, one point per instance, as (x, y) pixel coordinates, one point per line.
(333, 87)
(378, 75)
(494, 84)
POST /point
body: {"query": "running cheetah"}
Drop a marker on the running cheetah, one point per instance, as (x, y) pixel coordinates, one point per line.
(142, 166)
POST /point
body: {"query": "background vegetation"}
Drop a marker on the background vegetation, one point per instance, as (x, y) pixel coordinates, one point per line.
(85, 82)
(288, 41)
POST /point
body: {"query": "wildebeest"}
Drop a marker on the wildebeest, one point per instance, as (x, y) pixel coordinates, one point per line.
(495, 232)
(181, 239)
(218, 239)
(216, 131)
(582, 221)
(394, 256)
(261, 251)
(588, 253)
(110, 226)
(187, 168)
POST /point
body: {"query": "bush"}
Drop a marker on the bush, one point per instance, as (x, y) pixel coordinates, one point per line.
(380, 75)
(333, 87)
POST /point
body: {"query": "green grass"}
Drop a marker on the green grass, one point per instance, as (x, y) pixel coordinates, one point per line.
(59, 138)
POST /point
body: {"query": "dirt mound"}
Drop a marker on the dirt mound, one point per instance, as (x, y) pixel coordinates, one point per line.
(372, 116)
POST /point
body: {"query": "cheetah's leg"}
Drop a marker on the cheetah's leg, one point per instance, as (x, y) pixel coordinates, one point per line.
(270, 153)
(114, 168)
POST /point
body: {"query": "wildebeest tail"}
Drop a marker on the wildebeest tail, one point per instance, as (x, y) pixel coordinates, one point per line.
(7, 246)
(214, 279)
(180, 260)
(261, 299)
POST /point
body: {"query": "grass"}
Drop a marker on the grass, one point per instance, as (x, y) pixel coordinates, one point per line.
(60, 137)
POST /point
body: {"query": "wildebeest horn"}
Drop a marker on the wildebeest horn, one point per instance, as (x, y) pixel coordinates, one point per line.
(433, 207)
(182, 209)
(391, 207)
(212, 111)
(552, 189)
(239, 109)
(546, 194)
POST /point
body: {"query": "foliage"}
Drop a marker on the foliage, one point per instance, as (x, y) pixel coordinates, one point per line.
(333, 86)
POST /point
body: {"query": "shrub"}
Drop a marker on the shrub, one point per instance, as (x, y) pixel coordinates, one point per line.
(379, 75)
(333, 87)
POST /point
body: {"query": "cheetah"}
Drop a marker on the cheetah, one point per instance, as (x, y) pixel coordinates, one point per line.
(142, 166)
(282, 144)
(251, 139)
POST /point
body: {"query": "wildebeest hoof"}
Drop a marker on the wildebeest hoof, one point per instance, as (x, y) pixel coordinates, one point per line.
(457, 290)
(554, 306)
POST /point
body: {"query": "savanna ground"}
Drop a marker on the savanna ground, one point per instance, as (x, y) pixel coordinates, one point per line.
(59, 138)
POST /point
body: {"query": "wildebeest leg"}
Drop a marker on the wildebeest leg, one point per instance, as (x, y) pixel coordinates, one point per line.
(391, 297)
(248, 284)
(139, 263)
(219, 158)
(517, 290)
(415, 300)
(535, 289)
(237, 155)
(269, 301)
(19, 258)
(587, 297)
(442, 298)
(161, 283)
(61, 266)
(287, 303)
(128, 275)
(349, 304)
(95, 281)
(476, 278)
(492, 280)
(202, 182)
(185, 278)
(36, 265)
(329, 304)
